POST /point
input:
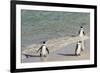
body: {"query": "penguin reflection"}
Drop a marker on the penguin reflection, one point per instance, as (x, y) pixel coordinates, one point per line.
(44, 51)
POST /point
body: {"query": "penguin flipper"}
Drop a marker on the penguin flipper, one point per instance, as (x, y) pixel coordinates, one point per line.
(84, 33)
(39, 49)
(76, 48)
(47, 50)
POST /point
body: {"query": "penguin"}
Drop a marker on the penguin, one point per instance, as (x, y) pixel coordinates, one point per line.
(81, 32)
(81, 35)
(78, 48)
(43, 50)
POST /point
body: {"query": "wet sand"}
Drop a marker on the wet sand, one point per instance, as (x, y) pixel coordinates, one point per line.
(62, 52)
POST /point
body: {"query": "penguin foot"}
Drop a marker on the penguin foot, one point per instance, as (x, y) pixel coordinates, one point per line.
(45, 56)
(77, 54)
(82, 49)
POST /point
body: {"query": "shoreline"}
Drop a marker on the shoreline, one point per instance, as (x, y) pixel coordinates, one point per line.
(53, 44)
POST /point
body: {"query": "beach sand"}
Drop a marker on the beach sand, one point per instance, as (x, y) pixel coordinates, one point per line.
(62, 51)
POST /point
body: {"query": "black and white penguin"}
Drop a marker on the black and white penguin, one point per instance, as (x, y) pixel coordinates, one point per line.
(78, 48)
(81, 32)
(43, 50)
(81, 36)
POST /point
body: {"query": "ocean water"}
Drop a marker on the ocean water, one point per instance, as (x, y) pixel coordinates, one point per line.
(37, 26)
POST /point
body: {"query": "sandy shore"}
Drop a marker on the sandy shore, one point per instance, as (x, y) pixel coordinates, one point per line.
(59, 51)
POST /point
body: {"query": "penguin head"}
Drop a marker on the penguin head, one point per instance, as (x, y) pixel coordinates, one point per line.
(79, 41)
(81, 27)
(44, 42)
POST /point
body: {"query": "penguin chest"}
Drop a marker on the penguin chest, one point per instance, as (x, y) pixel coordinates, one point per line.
(44, 50)
(81, 33)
